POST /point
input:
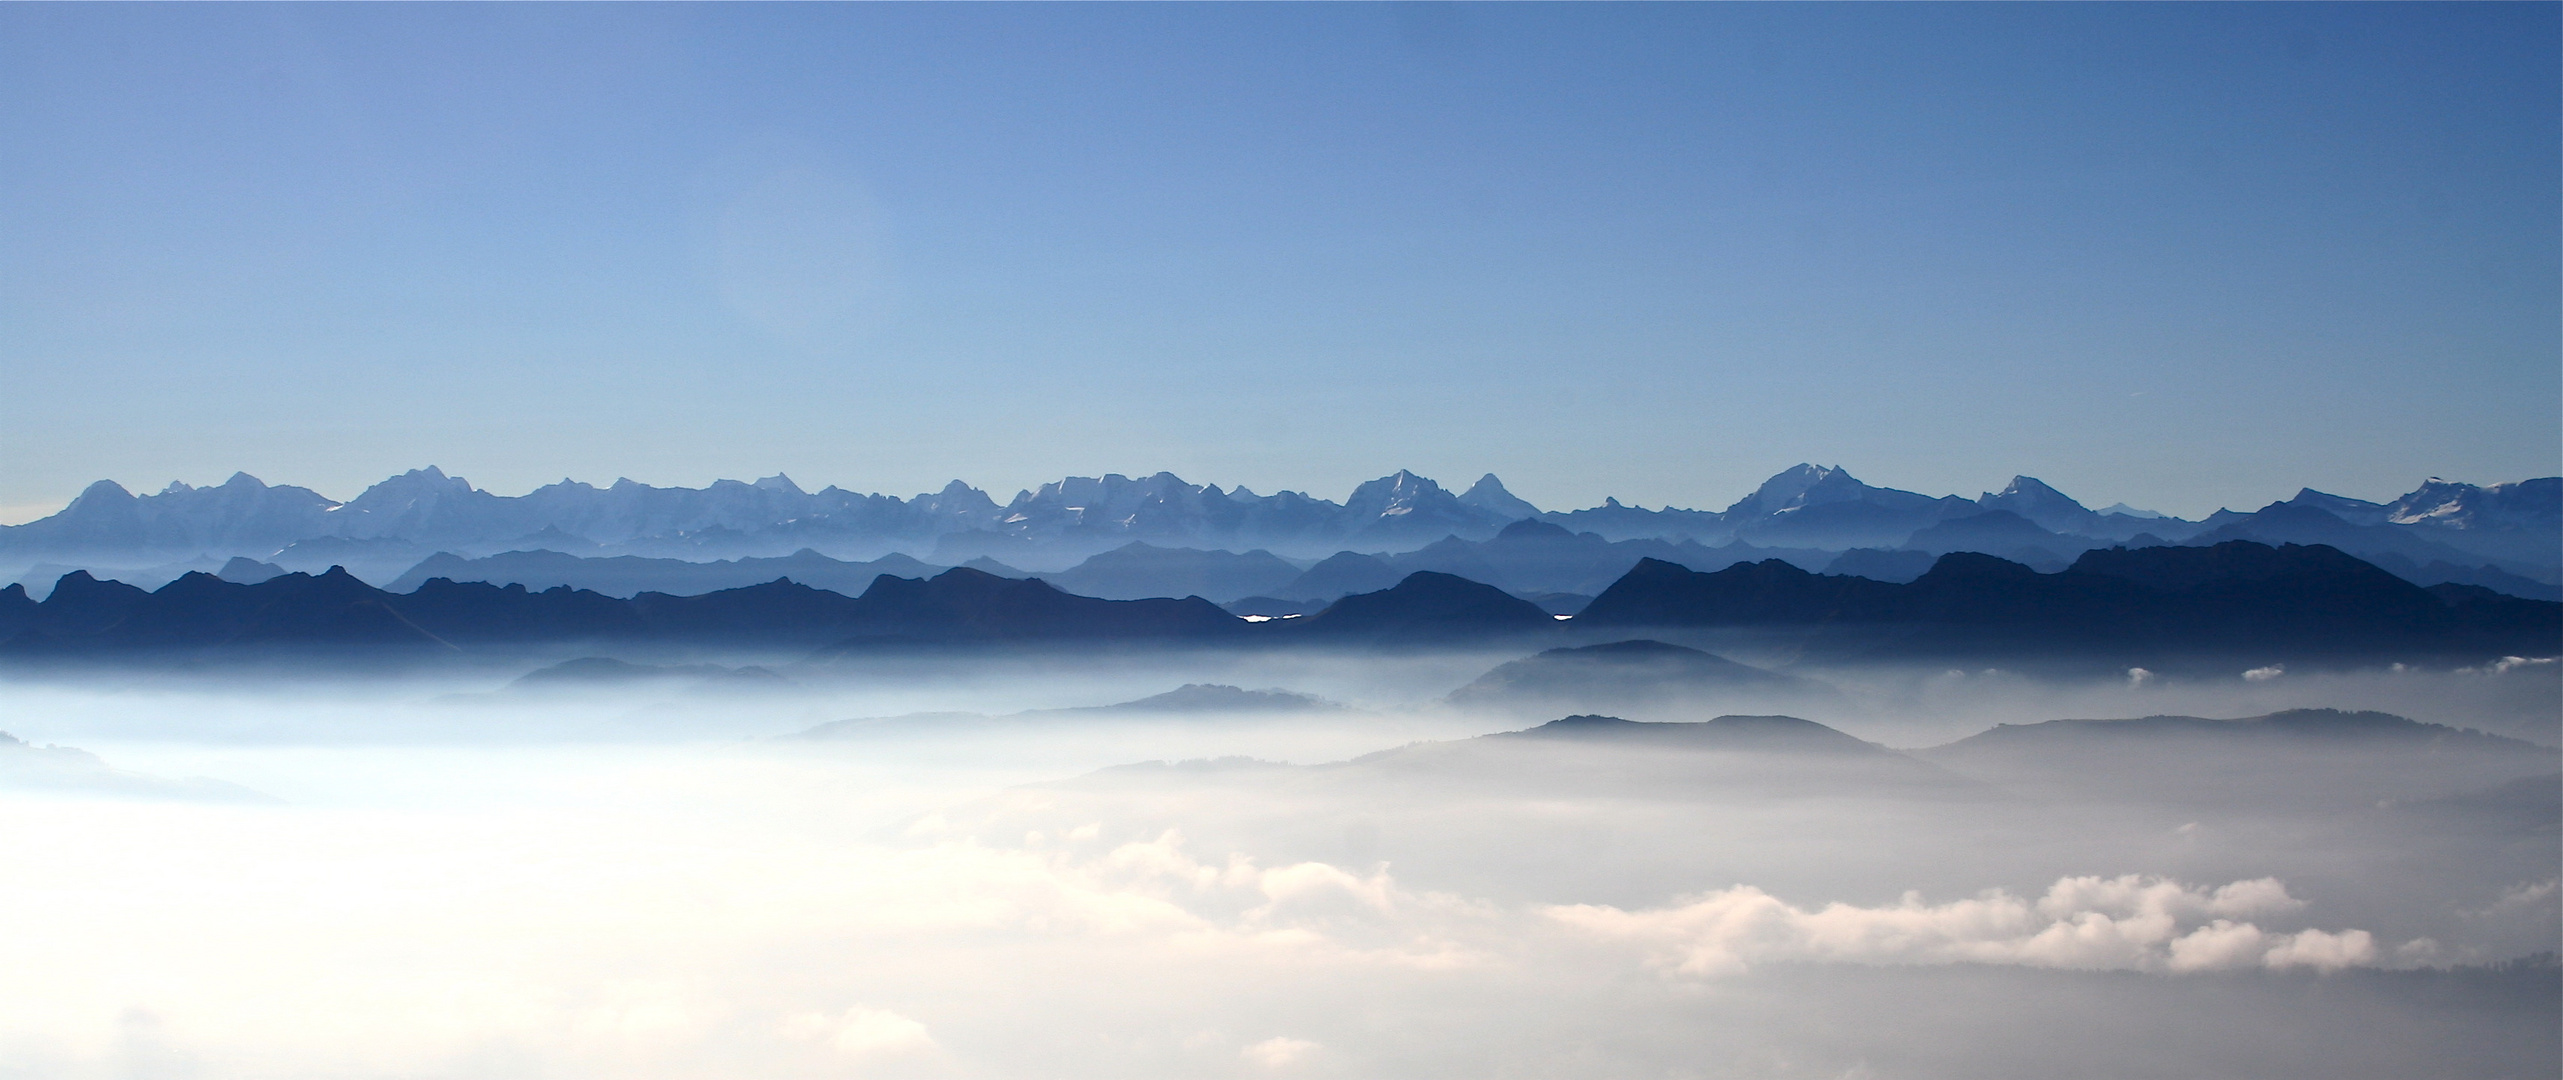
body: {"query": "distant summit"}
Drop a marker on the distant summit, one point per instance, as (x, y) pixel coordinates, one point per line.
(2528, 505)
(1633, 677)
(1733, 733)
(1425, 607)
(1488, 494)
(2032, 500)
(1796, 488)
(1220, 698)
(2325, 760)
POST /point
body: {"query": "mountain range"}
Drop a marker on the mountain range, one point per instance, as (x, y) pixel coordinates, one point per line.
(1161, 536)
(2307, 768)
(2157, 606)
(426, 511)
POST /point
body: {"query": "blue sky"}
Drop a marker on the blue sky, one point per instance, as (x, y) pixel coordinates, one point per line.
(2184, 256)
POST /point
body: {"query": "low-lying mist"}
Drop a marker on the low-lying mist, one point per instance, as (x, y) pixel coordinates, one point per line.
(1270, 864)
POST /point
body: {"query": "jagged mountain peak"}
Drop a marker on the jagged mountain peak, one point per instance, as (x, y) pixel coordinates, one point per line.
(2034, 500)
(958, 499)
(1397, 492)
(239, 484)
(2026, 487)
(1401, 480)
(1089, 490)
(566, 487)
(1489, 494)
(1798, 486)
(2355, 511)
(2435, 498)
(2536, 504)
(2325, 498)
(414, 484)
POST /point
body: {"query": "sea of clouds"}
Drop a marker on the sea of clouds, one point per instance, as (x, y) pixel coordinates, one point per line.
(448, 883)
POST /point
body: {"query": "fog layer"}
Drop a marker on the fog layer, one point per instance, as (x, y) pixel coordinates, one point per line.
(981, 877)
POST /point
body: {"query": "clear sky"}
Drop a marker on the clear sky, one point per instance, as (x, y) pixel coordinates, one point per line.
(2180, 255)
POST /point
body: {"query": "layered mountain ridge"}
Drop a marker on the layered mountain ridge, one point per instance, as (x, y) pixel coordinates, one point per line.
(2118, 607)
(2506, 537)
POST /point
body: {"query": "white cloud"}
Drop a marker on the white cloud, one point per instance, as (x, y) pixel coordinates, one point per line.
(1280, 1051)
(2123, 923)
(2218, 945)
(2505, 665)
(727, 911)
(1159, 888)
(2264, 674)
(2323, 950)
(862, 1034)
(2523, 896)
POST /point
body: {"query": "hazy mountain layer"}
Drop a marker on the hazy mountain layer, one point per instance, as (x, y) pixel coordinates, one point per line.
(1641, 678)
(2321, 759)
(2508, 537)
(2149, 606)
(2146, 606)
(632, 575)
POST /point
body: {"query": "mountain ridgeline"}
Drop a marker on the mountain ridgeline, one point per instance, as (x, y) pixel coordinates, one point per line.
(1120, 537)
(2164, 605)
(2151, 606)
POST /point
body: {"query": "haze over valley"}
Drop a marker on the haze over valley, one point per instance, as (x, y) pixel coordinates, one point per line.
(1310, 860)
(1554, 800)
(2151, 668)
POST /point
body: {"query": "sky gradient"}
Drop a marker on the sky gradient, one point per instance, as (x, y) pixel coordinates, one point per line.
(2180, 256)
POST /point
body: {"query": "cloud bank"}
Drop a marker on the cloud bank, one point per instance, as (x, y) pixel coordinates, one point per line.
(2124, 923)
